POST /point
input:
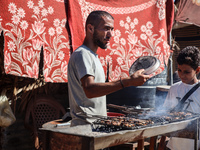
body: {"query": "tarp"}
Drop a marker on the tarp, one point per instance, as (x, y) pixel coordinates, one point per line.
(188, 12)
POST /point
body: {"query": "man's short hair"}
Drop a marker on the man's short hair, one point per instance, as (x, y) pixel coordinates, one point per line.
(95, 17)
(190, 55)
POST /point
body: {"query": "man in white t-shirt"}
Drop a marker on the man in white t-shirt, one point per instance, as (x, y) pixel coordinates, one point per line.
(86, 78)
(188, 67)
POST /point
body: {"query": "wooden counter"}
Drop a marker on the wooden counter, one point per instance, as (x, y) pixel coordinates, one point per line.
(83, 138)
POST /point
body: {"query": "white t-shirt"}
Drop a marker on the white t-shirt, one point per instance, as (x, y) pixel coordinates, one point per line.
(192, 104)
(84, 61)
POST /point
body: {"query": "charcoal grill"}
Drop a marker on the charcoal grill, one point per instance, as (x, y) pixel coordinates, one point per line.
(98, 137)
(139, 120)
(83, 137)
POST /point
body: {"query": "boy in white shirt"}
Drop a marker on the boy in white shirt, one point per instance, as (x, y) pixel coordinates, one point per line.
(188, 67)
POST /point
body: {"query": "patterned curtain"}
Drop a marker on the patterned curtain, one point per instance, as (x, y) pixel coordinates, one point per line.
(141, 28)
(28, 26)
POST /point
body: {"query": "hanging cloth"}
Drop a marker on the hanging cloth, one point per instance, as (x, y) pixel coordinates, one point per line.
(188, 10)
(140, 28)
(28, 26)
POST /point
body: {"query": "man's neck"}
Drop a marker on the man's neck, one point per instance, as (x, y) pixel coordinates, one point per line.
(90, 45)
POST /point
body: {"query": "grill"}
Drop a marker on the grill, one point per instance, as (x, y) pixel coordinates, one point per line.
(139, 120)
(111, 131)
(84, 137)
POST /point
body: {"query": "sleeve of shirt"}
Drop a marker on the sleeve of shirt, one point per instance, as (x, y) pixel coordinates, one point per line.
(84, 65)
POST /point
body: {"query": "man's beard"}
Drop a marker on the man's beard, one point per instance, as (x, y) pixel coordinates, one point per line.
(97, 41)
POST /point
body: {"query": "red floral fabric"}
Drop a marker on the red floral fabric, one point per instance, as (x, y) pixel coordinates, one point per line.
(28, 25)
(141, 28)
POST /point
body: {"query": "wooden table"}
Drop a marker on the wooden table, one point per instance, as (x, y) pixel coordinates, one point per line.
(83, 138)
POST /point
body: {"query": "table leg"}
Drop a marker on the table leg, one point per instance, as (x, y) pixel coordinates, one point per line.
(162, 143)
(153, 143)
(140, 144)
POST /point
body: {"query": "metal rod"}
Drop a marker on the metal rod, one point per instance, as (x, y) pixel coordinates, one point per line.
(170, 60)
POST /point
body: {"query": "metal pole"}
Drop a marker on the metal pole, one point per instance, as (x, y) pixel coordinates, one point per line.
(170, 60)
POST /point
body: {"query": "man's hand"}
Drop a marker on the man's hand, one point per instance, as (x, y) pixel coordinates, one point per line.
(138, 78)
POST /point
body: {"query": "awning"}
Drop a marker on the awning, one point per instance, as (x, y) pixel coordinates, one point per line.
(187, 13)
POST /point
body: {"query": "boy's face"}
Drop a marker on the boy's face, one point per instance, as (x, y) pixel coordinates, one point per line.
(187, 74)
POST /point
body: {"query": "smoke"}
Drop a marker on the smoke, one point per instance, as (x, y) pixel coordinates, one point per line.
(159, 109)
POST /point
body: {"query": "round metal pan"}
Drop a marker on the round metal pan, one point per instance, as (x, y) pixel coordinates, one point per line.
(149, 63)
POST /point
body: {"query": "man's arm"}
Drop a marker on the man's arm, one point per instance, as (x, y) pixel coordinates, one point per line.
(93, 89)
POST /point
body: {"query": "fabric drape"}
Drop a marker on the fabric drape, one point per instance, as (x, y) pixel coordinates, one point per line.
(188, 10)
(141, 28)
(28, 26)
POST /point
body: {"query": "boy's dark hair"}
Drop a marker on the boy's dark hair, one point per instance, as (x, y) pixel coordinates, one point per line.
(190, 55)
(95, 17)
